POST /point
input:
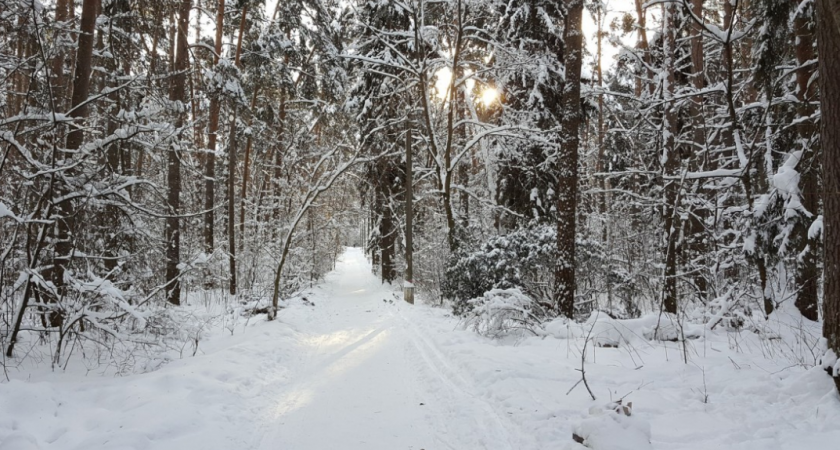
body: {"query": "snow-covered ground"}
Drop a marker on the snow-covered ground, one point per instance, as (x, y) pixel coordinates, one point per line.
(359, 369)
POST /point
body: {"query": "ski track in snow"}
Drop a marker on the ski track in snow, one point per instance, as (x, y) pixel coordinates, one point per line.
(373, 382)
(360, 369)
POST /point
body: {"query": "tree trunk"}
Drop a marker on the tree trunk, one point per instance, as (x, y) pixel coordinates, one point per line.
(388, 236)
(599, 163)
(409, 219)
(828, 42)
(446, 179)
(198, 136)
(177, 95)
(670, 164)
(464, 163)
(58, 84)
(567, 163)
(75, 137)
(231, 182)
(212, 137)
(247, 170)
(807, 249)
(643, 46)
(81, 77)
(698, 247)
(117, 12)
(385, 171)
(231, 204)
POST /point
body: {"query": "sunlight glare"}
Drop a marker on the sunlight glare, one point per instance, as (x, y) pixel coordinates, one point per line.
(444, 77)
(489, 96)
(355, 350)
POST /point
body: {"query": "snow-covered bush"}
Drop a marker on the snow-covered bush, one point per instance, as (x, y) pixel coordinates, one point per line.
(605, 331)
(500, 311)
(613, 427)
(525, 259)
(522, 259)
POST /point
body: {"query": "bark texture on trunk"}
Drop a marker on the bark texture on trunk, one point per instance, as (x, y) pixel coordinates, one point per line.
(828, 41)
(567, 163)
(231, 181)
(177, 94)
(58, 84)
(641, 17)
(699, 241)
(670, 164)
(409, 219)
(446, 175)
(231, 205)
(807, 272)
(212, 137)
(249, 142)
(213, 132)
(386, 172)
(81, 88)
(388, 234)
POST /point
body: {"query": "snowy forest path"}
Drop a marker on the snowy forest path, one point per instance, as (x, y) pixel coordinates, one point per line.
(370, 380)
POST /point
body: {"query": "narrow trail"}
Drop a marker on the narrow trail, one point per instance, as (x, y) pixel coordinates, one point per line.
(369, 380)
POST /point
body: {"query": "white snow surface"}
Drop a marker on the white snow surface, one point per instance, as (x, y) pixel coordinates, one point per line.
(607, 429)
(360, 369)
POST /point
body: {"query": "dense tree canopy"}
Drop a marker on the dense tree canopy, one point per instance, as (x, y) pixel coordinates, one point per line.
(154, 151)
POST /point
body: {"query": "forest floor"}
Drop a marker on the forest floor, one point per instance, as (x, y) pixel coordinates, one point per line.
(353, 367)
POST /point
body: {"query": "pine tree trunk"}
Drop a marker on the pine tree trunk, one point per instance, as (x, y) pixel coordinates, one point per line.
(247, 170)
(198, 135)
(386, 227)
(231, 204)
(375, 215)
(567, 163)
(828, 42)
(451, 225)
(231, 181)
(599, 163)
(807, 272)
(641, 15)
(58, 84)
(75, 137)
(213, 132)
(387, 230)
(177, 95)
(699, 243)
(464, 163)
(409, 219)
(670, 165)
(117, 10)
